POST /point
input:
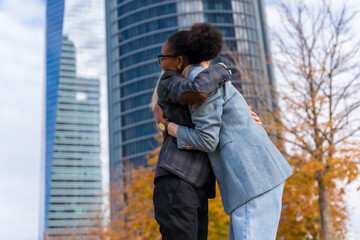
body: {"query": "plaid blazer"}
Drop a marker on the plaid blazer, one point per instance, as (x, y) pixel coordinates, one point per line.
(192, 166)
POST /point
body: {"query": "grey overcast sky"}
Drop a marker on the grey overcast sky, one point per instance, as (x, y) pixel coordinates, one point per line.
(21, 118)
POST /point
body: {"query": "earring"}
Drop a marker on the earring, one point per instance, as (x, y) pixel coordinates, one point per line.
(178, 67)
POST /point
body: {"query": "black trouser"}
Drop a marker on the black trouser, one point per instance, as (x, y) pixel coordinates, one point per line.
(180, 209)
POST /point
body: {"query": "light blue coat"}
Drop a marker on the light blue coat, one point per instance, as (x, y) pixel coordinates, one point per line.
(245, 162)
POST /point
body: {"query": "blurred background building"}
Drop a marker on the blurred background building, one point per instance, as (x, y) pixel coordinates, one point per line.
(75, 64)
(136, 30)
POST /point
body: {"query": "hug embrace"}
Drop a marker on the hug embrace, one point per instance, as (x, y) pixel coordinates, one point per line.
(210, 134)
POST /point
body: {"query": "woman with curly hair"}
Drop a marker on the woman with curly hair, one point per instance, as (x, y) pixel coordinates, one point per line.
(248, 167)
(183, 179)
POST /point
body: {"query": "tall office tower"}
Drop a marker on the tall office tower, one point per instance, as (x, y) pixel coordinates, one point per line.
(75, 65)
(136, 30)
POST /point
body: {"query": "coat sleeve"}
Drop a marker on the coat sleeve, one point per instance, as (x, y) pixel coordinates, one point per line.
(176, 89)
(207, 119)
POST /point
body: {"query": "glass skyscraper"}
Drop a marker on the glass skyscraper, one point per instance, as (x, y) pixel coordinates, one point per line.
(136, 30)
(75, 66)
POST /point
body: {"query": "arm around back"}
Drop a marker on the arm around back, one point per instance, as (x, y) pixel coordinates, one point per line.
(175, 89)
(207, 119)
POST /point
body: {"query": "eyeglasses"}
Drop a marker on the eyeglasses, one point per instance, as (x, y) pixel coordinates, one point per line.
(164, 56)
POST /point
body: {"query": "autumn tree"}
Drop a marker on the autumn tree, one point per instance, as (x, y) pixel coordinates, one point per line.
(316, 117)
(131, 195)
(139, 210)
(218, 220)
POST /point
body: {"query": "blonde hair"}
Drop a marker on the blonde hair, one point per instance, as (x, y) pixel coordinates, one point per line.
(154, 98)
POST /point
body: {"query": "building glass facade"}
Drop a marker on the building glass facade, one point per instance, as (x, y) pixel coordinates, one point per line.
(136, 30)
(75, 66)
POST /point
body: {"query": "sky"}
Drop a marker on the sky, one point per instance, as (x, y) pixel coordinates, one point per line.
(21, 116)
(22, 94)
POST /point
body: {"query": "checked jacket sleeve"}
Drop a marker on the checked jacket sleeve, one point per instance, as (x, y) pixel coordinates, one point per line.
(174, 88)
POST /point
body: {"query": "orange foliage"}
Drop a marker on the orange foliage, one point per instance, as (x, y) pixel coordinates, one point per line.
(218, 220)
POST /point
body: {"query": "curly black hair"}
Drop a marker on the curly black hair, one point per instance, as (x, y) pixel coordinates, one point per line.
(205, 42)
(178, 43)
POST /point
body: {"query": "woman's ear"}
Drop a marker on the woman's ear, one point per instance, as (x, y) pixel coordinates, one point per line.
(180, 62)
